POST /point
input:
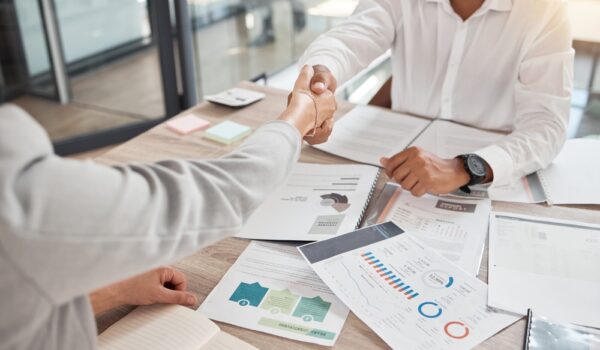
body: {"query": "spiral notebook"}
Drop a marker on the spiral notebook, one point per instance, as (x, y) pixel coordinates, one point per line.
(318, 201)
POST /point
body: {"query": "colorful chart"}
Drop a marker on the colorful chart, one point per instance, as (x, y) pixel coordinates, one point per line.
(312, 309)
(450, 330)
(438, 279)
(281, 302)
(429, 309)
(249, 294)
(336, 201)
(388, 276)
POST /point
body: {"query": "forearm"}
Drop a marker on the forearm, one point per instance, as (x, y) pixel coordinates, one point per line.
(351, 46)
(532, 146)
(105, 299)
(92, 225)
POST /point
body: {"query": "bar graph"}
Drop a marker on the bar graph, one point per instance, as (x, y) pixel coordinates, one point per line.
(388, 276)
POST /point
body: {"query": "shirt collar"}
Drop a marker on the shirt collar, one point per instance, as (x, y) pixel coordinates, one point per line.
(497, 5)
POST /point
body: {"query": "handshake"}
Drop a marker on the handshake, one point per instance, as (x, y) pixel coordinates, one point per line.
(311, 104)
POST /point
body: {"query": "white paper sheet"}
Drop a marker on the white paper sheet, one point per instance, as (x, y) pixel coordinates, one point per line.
(574, 176)
(159, 327)
(454, 228)
(271, 289)
(318, 201)
(365, 134)
(551, 266)
(409, 295)
(448, 140)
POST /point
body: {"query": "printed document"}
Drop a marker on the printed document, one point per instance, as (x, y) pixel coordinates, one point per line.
(365, 134)
(448, 140)
(411, 296)
(318, 201)
(454, 228)
(271, 289)
(548, 265)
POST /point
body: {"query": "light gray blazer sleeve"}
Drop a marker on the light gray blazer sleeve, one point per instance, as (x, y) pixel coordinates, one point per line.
(73, 226)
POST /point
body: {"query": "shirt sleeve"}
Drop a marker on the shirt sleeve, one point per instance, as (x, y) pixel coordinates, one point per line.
(73, 226)
(543, 99)
(354, 44)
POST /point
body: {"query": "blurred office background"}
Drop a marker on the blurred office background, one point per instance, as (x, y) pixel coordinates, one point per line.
(94, 72)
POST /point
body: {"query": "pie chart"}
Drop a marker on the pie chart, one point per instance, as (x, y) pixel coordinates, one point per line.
(336, 201)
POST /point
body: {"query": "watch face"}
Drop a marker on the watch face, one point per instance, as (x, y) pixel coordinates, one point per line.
(476, 165)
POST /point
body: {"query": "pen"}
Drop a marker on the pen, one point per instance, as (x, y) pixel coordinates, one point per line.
(527, 330)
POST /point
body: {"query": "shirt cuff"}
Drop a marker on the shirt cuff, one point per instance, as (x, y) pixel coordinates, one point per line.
(501, 163)
(328, 62)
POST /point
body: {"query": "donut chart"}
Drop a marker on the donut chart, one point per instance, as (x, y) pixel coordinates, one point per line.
(452, 333)
(336, 201)
(429, 309)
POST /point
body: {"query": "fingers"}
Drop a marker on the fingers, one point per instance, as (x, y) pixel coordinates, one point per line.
(418, 190)
(322, 133)
(170, 296)
(397, 160)
(322, 80)
(326, 106)
(409, 182)
(304, 78)
(177, 279)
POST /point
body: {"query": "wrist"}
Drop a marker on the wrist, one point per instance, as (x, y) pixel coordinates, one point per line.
(105, 299)
(462, 177)
(303, 122)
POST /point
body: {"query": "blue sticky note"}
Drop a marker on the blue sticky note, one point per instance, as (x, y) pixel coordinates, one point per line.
(227, 132)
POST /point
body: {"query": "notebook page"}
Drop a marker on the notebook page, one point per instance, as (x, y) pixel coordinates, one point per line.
(225, 341)
(159, 327)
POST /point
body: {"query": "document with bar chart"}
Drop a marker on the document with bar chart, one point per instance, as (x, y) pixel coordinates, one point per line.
(411, 296)
(272, 289)
(318, 201)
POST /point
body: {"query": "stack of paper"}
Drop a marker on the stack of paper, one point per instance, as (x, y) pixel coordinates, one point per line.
(454, 228)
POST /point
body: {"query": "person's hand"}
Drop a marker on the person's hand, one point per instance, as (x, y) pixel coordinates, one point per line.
(306, 110)
(421, 172)
(163, 285)
(322, 80)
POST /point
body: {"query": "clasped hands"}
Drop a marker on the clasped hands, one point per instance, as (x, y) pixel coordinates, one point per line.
(415, 169)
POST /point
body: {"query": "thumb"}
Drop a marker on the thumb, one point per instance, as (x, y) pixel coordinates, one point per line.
(304, 78)
(318, 85)
(170, 296)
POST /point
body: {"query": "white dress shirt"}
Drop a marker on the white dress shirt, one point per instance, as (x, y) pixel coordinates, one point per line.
(507, 67)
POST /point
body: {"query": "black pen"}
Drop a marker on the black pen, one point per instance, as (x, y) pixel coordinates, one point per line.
(527, 330)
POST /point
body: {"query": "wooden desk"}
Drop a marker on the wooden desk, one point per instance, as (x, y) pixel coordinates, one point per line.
(206, 267)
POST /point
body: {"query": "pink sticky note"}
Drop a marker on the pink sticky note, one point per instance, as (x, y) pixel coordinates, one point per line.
(187, 124)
